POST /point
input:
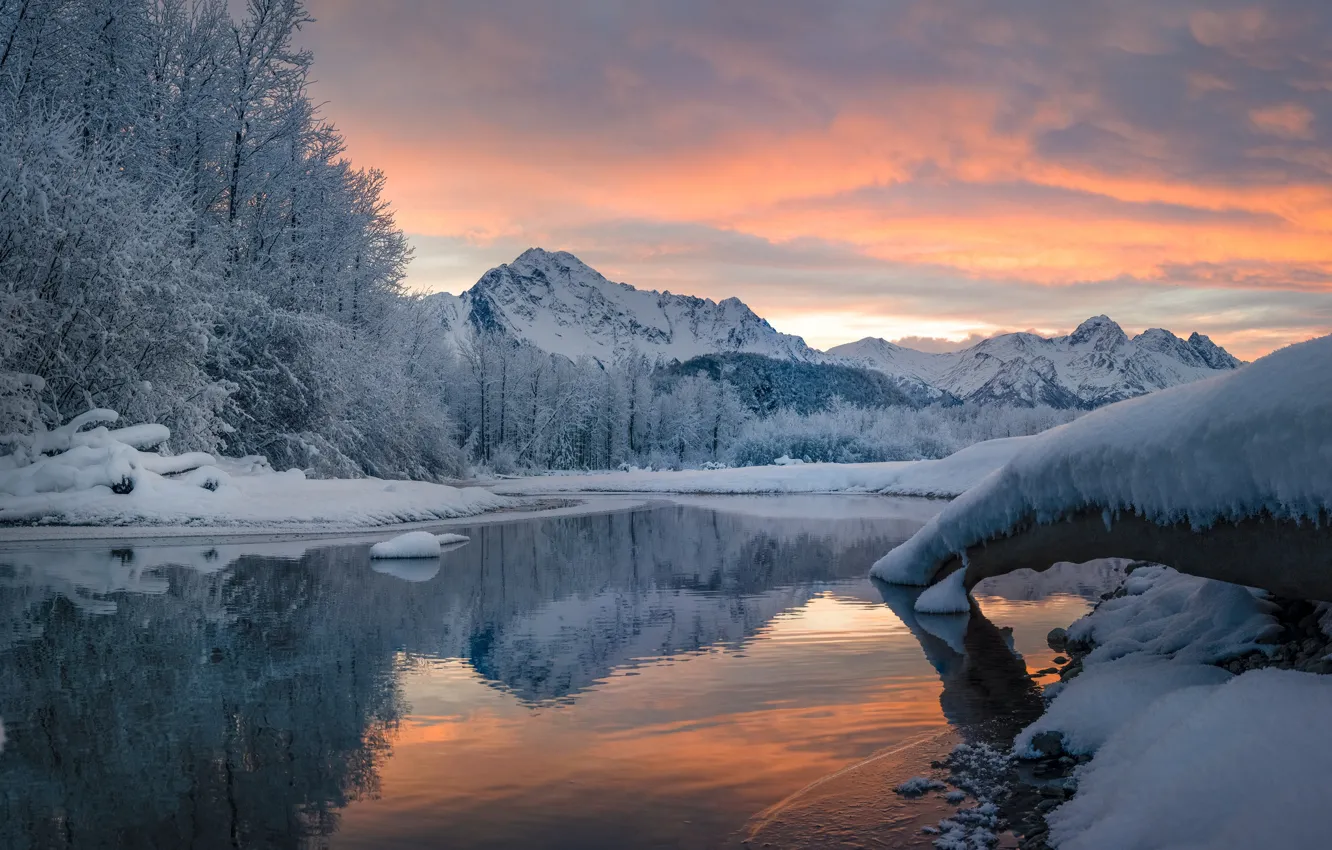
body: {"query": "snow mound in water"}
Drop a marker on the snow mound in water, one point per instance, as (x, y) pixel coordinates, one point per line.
(1226, 767)
(1246, 442)
(413, 544)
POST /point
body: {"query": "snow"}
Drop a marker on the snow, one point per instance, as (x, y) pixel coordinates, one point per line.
(947, 597)
(265, 500)
(556, 302)
(1091, 706)
(939, 478)
(918, 785)
(1187, 618)
(1096, 364)
(1230, 447)
(414, 544)
(1225, 767)
(1088, 580)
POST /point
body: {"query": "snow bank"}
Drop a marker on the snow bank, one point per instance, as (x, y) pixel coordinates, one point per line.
(451, 539)
(1188, 618)
(940, 478)
(1226, 448)
(99, 477)
(1090, 707)
(1233, 766)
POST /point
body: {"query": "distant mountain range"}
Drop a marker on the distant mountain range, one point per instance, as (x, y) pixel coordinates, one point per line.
(559, 304)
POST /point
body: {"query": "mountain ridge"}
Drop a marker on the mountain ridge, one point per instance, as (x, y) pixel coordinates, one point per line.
(556, 302)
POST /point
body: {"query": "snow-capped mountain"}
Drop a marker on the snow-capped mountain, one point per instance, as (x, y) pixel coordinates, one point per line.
(559, 304)
(556, 302)
(1096, 364)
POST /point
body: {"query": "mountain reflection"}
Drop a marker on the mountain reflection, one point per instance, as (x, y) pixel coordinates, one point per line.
(163, 698)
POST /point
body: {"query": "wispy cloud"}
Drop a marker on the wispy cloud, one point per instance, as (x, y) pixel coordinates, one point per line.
(902, 165)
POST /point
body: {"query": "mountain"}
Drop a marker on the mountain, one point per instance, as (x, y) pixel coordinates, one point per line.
(558, 303)
(1097, 364)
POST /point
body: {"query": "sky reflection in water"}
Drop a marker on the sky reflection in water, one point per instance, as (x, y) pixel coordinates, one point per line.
(651, 678)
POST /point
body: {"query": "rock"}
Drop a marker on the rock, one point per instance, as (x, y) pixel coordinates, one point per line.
(1057, 639)
(1059, 659)
(1048, 744)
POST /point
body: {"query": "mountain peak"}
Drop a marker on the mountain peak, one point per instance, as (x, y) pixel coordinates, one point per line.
(561, 305)
(1212, 354)
(1102, 331)
(541, 258)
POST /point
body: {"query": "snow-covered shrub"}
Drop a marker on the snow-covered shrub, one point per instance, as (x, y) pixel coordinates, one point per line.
(70, 458)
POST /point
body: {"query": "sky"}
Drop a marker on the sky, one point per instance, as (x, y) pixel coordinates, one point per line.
(935, 170)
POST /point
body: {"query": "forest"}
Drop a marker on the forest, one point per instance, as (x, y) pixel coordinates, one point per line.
(184, 239)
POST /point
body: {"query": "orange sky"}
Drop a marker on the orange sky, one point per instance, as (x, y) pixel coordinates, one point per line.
(936, 168)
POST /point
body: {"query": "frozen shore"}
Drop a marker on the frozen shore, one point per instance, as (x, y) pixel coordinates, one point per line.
(1189, 713)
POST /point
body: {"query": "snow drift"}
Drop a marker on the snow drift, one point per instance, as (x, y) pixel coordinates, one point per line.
(1250, 443)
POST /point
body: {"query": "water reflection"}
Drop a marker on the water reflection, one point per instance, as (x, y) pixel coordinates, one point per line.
(559, 682)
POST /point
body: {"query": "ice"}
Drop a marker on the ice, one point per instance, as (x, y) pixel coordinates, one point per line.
(1225, 767)
(1188, 618)
(1090, 707)
(1246, 442)
(918, 785)
(451, 539)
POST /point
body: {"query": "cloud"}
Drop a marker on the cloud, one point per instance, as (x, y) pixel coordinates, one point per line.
(1288, 120)
(989, 164)
(940, 345)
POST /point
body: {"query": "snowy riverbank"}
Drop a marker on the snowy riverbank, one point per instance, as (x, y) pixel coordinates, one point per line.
(944, 478)
(270, 500)
(1189, 713)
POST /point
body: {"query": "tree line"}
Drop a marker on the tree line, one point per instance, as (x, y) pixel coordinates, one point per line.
(183, 239)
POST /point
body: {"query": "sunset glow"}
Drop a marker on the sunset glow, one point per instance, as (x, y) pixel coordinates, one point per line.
(895, 169)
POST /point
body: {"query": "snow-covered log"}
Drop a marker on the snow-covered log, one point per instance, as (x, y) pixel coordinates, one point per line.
(1229, 478)
(69, 458)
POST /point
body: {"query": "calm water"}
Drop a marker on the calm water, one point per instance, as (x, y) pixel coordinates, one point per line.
(675, 676)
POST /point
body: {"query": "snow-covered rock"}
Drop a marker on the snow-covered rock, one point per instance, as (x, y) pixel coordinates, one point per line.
(559, 304)
(1187, 618)
(1245, 443)
(1095, 365)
